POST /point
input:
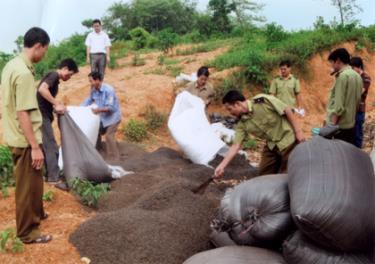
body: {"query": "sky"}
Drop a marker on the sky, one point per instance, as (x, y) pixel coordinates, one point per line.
(62, 18)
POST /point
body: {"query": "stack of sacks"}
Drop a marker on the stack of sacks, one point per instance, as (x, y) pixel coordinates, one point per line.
(331, 185)
(255, 213)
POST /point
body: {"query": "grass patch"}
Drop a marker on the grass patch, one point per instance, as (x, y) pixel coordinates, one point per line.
(154, 118)
(9, 242)
(135, 131)
(156, 71)
(6, 170)
(174, 70)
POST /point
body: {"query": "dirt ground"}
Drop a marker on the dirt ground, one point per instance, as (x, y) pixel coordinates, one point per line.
(136, 89)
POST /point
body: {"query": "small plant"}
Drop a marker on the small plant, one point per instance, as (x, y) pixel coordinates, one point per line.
(140, 37)
(113, 63)
(138, 60)
(136, 130)
(88, 192)
(250, 144)
(174, 70)
(161, 60)
(9, 242)
(6, 170)
(157, 71)
(48, 196)
(167, 40)
(154, 119)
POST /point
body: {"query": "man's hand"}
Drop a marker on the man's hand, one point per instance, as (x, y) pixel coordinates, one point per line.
(95, 110)
(328, 131)
(219, 171)
(37, 158)
(300, 137)
(60, 109)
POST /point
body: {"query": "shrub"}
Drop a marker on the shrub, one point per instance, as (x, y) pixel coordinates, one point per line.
(88, 192)
(9, 242)
(140, 37)
(48, 196)
(167, 40)
(135, 130)
(154, 119)
(6, 170)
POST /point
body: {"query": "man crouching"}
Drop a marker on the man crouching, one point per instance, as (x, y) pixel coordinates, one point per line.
(265, 117)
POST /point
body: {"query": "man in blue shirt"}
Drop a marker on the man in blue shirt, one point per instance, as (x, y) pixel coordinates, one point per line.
(108, 107)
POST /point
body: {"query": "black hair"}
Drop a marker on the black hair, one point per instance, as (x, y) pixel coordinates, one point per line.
(340, 54)
(287, 63)
(203, 71)
(35, 35)
(357, 62)
(70, 64)
(96, 75)
(96, 21)
(232, 97)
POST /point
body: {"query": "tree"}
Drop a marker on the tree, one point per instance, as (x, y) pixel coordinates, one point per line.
(220, 14)
(347, 10)
(87, 23)
(245, 11)
(167, 40)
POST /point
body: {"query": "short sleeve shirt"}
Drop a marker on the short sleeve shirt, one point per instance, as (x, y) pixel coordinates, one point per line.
(266, 120)
(98, 42)
(206, 93)
(286, 89)
(52, 80)
(19, 94)
(345, 97)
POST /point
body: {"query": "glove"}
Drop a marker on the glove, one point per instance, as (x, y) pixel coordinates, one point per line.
(328, 130)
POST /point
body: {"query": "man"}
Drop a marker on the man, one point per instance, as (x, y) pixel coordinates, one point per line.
(97, 48)
(268, 118)
(344, 98)
(357, 65)
(22, 122)
(108, 107)
(287, 88)
(201, 87)
(47, 91)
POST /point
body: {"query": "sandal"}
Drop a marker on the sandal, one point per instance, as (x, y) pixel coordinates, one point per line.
(39, 240)
(44, 217)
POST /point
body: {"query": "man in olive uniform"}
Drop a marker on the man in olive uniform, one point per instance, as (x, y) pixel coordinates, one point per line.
(22, 122)
(201, 87)
(287, 88)
(344, 97)
(265, 117)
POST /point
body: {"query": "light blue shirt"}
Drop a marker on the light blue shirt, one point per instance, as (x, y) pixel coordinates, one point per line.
(105, 97)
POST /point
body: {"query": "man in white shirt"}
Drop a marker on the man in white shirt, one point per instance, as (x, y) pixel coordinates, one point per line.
(97, 48)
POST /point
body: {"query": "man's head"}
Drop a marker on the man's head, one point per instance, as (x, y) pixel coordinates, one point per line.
(97, 25)
(67, 68)
(357, 64)
(95, 79)
(202, 75)
(235, 103)
(36, 42)
(339, 58)
(285, 67)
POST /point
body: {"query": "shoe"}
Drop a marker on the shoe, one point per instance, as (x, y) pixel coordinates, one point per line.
(62, 186)
(40, 240)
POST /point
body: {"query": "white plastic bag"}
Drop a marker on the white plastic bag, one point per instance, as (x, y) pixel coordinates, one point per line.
(87, 121)
(226, 134)
(182, 77)
(191, 130)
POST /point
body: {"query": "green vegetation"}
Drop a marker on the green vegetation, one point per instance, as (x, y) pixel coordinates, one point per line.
(138, 60)
(167, 39)
(135, 131)
(9, 242)
(6, 170)
(48, 196)
(88, 192)
(154, 119)
(250, 144)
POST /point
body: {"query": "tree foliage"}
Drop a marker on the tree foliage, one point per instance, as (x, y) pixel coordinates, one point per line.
(347, 9)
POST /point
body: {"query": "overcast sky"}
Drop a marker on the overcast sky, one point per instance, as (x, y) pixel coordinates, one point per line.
(62, 18)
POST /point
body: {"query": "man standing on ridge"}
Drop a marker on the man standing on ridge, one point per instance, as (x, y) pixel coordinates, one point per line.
(98, 48)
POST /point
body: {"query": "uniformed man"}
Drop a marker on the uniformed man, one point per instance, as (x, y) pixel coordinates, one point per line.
(22, 122)
(344, 97)
(287, 88)
(265, 117)
(201, 87)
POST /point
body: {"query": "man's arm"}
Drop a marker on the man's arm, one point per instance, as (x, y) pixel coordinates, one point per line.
(233, 150)
(27, 129)
(295, 124)
(88, 49)
(46, 94)
(108, 53)
(299, 101)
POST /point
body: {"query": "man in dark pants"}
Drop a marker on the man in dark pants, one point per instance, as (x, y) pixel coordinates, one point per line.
(265, 117)
(357, 65)
(98, 48)
(22, 123)
(47, 91)
(344, 97)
